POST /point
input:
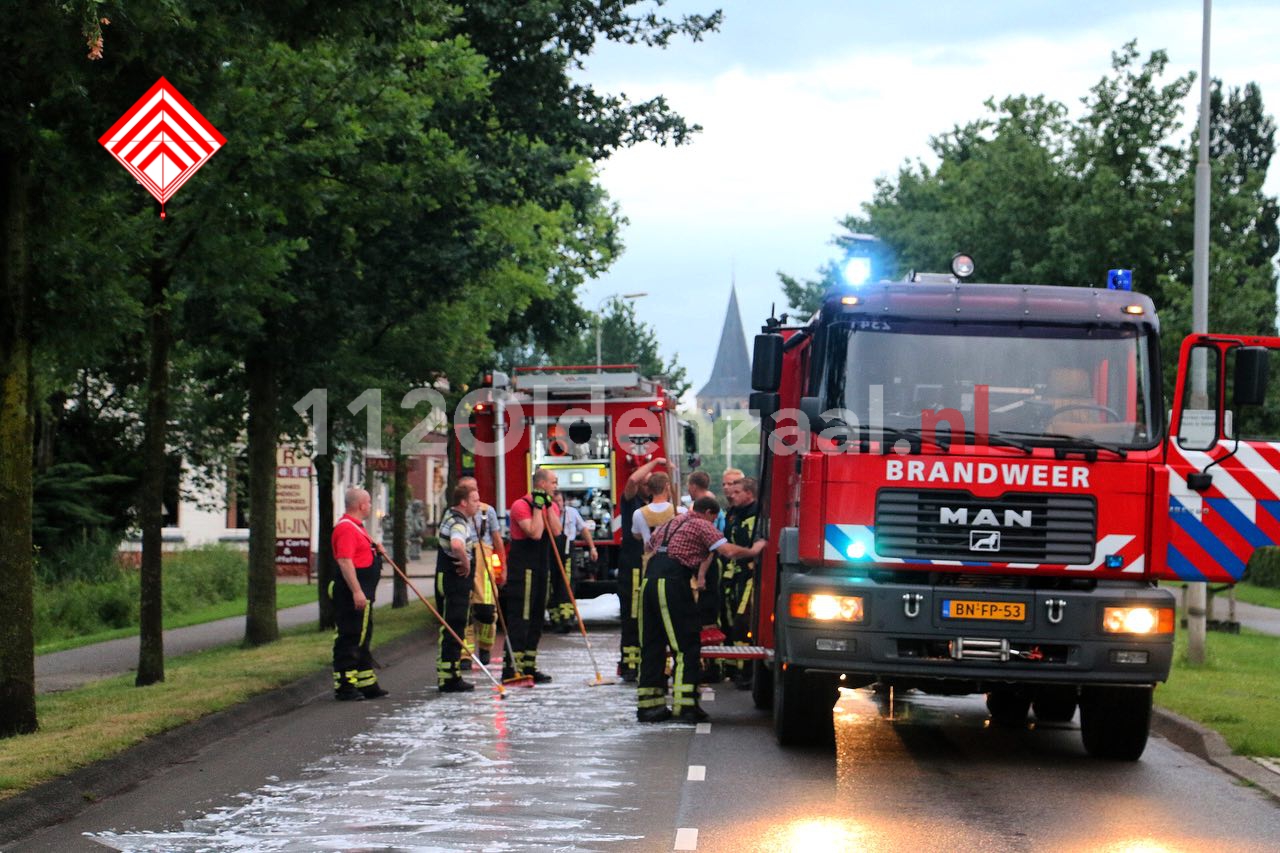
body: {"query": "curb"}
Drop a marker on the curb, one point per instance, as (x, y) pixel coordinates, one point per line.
(1212, 747)
(61, 799)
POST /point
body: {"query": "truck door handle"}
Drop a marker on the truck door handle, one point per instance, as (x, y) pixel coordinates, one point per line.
(1057, 609)
(911, 604)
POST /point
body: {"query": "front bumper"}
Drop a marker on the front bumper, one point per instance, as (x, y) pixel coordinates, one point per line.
(904, 635)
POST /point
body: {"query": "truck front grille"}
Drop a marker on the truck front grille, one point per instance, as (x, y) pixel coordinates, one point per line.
(924, 524)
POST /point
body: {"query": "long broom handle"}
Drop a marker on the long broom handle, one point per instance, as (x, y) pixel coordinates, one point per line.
(569, 586)
(461, 643)
(497, 606)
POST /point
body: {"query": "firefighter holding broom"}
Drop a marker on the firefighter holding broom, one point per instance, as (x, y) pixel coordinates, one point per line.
(491, 562)
(535, 523)
(455, 579)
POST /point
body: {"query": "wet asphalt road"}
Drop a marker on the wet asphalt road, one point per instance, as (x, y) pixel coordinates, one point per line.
(565, 767)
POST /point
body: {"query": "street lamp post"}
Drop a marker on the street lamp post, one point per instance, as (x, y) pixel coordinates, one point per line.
(1198, 593)
(600, 319)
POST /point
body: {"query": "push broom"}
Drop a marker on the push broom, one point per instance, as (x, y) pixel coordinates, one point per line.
(519, 680)
(502, 691)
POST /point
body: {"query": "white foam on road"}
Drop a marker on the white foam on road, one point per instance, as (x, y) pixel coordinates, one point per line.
(460, 772)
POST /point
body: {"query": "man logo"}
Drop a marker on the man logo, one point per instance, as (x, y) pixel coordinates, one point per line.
(983, 540)
(984, 517)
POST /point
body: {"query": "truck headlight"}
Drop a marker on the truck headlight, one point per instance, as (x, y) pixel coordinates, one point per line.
(1137, 620)
(826, 608)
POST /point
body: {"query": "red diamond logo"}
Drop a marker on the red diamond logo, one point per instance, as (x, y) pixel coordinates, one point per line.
(162, 140)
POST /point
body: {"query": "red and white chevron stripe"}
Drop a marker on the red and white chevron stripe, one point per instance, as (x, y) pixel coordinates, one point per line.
(162, 140)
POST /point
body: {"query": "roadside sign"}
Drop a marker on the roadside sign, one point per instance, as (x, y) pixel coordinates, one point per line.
(162, 140)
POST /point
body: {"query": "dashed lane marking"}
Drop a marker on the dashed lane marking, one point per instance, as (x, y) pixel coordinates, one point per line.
(697, 772)
(686, 839)
(702, 729)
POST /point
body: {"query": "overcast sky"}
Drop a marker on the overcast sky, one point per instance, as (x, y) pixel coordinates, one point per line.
(803, 105)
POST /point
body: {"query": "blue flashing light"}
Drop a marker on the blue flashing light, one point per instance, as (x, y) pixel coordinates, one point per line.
(856, 550)
(857, 271)
(1119, 279)
(1115, 561)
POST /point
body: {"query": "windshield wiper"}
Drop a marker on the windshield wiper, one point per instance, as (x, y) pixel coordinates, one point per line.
(971, 437)
(1077, 441)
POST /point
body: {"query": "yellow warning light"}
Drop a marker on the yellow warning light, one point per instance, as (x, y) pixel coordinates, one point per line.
(1133, 309)
(849, 300)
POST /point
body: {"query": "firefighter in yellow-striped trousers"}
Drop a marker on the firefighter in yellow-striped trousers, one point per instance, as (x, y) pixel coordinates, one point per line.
(455, 576)
(738, 578)
(490, 562)
(535, 522)
(678, 557)
(359, 564)
(630, 564)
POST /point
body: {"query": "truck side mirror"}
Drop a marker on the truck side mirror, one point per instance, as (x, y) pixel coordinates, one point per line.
(690, 439)
(811, 408)
(766, 363)
(1250, 386)
(764, 404)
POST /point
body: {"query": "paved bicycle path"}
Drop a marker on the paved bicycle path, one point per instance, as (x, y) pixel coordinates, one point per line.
(75, 667)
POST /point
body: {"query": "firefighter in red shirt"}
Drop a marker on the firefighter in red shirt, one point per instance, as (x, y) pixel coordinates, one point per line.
(534, 525)
(360, 564)
(680, 550)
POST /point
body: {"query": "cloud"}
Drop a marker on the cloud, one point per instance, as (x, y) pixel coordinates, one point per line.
(787, 151)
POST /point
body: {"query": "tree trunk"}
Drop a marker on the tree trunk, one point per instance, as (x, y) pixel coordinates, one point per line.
(326, 567)
(17, 436)
(400, 530)
(154, 450)
(260, 624)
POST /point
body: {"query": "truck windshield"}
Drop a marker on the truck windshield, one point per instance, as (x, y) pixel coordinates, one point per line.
(1056, 384)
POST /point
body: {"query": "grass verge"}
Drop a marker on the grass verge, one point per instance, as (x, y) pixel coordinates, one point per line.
(78, 727)
(1233, 692)
(287, 595)
(1262, 596)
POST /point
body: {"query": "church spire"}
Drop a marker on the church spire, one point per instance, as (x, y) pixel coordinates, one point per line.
(730, 382)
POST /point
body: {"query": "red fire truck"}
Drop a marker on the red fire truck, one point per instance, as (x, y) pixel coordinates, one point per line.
(971, 488)
(594, 426)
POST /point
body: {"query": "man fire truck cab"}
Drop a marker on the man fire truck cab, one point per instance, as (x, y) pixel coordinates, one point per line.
(592, 425)
(970, 488)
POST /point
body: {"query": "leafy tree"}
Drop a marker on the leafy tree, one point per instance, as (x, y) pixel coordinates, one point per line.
(624, 339)
(1036, 197)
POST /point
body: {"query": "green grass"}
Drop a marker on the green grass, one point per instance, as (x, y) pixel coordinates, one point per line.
(287, 595)
(1246, 592)
(78, 727)
(1261, 595)
(1234, 692)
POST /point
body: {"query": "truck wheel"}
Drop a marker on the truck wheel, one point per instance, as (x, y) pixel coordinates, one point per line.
(1054, 704)
(761, 685)
(1008, 707)
(1115, 721)
(802, 708)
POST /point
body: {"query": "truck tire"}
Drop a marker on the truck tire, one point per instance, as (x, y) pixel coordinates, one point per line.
(1056, 704)
(1008, 706)
(1115, 721)
(802, 708)
(761, 685)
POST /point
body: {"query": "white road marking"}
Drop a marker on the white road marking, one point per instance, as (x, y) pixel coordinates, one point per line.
(686, 839)
(697, 772)
(702, 729)
(709, 696)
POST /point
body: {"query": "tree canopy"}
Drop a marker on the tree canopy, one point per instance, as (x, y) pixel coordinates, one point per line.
(1036, 196)
(402, 188)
